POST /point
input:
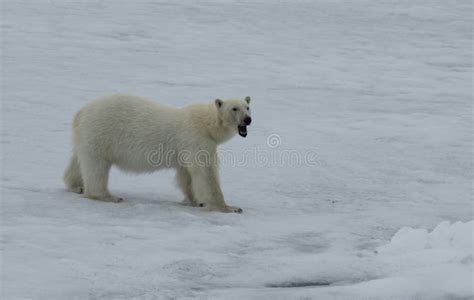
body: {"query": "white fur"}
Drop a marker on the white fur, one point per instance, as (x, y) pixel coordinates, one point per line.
(136, 134)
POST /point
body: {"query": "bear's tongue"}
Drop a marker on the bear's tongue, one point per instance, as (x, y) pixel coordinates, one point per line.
(242, 130)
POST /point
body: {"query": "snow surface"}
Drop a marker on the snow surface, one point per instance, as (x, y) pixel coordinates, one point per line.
(380, 90)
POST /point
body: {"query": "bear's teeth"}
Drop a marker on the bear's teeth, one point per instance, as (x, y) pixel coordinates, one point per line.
(243, 130)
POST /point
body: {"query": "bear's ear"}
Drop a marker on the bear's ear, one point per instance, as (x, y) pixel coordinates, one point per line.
(247, 99)
(219, 103)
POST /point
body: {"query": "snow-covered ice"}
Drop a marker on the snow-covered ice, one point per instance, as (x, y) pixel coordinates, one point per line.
(380, 90)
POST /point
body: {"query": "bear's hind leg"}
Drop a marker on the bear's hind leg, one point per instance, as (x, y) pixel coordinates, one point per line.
(95, 173)
(72, 176)
(183, 179)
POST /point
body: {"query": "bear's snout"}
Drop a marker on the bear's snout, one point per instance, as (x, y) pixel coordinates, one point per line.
(248, 120)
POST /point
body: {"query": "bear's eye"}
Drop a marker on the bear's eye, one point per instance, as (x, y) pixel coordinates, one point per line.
(248, 108)
(234, 109)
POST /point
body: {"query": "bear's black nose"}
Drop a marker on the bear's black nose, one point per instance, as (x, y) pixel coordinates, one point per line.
(248, 120)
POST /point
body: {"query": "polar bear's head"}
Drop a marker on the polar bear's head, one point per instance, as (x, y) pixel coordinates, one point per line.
(235, 114)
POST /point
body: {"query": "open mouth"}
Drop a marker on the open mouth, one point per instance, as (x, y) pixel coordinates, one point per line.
(242, 130)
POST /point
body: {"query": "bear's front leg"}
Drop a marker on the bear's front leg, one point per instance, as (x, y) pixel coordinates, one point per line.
(183, 179)
(233, 209)
(206, 189)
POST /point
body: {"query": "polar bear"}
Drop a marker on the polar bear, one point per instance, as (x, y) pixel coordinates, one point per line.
(138, 135)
